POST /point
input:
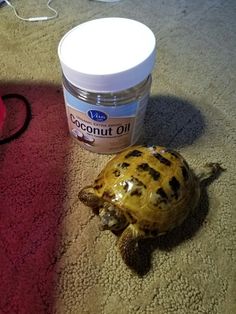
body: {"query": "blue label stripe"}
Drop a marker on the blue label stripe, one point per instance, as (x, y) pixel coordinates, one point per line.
(126, 110)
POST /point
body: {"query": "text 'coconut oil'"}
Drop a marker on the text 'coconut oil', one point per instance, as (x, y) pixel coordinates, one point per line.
(107, 65)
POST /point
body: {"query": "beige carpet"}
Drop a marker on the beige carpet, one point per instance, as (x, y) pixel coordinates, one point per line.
(53, 258)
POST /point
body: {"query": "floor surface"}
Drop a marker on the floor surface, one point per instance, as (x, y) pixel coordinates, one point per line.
(53, 257)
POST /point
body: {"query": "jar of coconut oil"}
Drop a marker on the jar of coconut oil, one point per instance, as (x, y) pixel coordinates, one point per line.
(106, 72)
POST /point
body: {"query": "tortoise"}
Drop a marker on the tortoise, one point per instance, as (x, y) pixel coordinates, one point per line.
(145, 191)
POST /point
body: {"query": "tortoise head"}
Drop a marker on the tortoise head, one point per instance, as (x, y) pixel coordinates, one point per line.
(112, 218)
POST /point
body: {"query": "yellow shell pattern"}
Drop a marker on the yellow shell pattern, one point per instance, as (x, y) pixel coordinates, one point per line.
(153, 187)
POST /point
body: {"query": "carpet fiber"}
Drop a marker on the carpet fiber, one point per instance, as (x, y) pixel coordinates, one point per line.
(53, 257)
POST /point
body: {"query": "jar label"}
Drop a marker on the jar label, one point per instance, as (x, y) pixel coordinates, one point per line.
(105, 129)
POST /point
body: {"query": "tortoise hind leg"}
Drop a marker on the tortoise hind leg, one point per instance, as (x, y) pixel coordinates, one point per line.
(210, 170)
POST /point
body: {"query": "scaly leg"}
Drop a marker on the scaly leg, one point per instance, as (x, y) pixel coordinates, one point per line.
(209, 170)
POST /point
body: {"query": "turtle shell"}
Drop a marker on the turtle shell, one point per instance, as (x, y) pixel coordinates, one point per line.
(152, 186)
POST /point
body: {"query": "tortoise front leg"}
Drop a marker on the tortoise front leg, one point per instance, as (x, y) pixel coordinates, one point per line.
(90, 199)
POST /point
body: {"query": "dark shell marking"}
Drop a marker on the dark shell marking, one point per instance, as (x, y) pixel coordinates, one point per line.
(184, 173)
(160, 197)
(162, 194)
(124, 165)
(137, 186)
(144, 167)
(153, 173)
(162, 159)
(116, 173)
(137, 182)
(136, 192)
(175, 186)
(174, 154)
(134, 153)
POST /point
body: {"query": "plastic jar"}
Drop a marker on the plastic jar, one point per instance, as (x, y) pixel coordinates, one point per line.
(107, 65)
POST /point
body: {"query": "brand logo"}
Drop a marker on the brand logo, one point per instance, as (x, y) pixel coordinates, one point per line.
(97, 115)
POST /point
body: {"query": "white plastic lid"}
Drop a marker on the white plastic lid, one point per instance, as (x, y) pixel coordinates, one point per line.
(108, 54)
